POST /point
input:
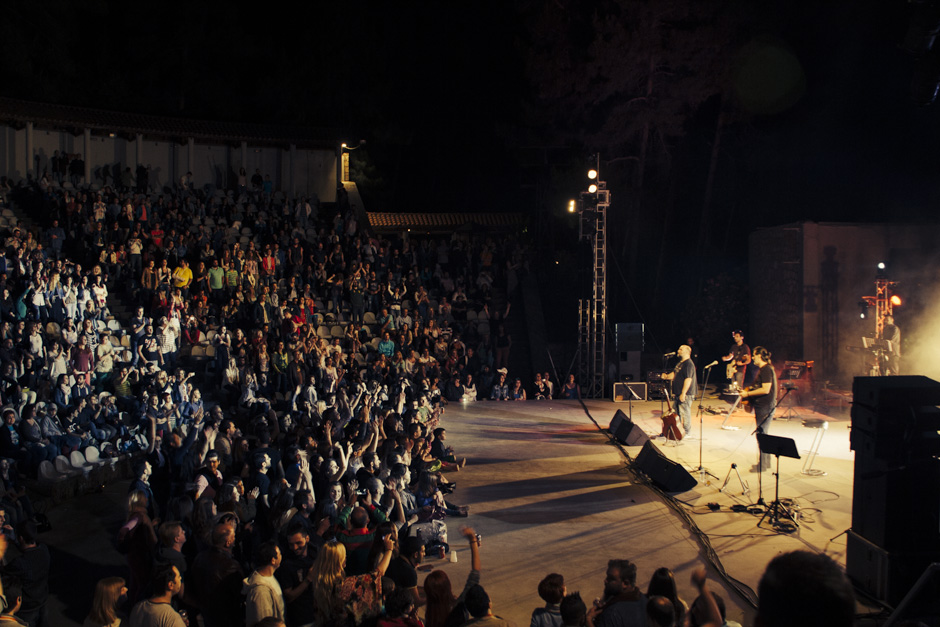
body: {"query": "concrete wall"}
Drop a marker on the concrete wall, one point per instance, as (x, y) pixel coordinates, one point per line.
(309, 172)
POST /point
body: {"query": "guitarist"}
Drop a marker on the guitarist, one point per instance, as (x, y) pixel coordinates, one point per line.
(684, 386)
(738, 357)
(763, 395)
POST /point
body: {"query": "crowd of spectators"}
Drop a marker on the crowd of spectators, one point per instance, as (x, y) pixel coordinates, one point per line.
(327, 357)
(309, 484)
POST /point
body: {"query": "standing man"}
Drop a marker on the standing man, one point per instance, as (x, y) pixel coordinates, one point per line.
(263, 595)
(739, 356)
(32, 570)
(892, 333)
(623, 604)
(684, 386)
(296, 577)
(157, 611)
(763, 395)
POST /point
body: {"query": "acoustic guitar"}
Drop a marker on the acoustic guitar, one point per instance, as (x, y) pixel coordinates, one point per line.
(671, 430)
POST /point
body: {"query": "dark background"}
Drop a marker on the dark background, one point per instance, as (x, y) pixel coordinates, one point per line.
(711, 119)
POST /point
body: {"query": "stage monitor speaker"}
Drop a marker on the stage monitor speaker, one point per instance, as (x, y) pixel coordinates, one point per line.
(622, 392)
(626, 432)
(662, 471)
(629, 337)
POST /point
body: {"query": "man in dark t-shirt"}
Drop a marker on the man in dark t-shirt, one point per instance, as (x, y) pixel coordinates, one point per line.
(403, 569)
(763, 395)
(738, 357)
(684, 386)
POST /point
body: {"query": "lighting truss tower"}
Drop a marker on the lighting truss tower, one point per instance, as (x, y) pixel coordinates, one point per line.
(592, 314)
(881, 301)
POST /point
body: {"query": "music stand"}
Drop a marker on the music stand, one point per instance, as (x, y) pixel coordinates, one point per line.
(778, 446)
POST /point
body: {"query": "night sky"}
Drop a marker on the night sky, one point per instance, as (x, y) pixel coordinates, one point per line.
(494, 106)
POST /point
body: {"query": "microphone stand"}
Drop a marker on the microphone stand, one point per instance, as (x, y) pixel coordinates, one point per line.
(701, 432)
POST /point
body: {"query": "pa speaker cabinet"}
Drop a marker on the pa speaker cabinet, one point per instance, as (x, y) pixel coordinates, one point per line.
(626, 432)
(622, 393)
(886, 575)
(662, 471)
(903, 391)
(629, 336)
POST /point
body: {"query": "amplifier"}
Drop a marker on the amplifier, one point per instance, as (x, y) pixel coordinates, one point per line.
(622, 394)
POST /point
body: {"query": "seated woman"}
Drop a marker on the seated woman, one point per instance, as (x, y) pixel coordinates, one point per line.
(500, 388)
(469, 389)
(570, 389)
(541, 390)
(517, 393)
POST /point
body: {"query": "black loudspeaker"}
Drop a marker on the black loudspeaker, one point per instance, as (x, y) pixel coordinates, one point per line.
(891, 576)
(625, 432)
(629, 336)
(662, 471)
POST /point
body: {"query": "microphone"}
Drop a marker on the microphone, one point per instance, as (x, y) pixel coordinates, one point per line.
(714, 363)
(672, 354)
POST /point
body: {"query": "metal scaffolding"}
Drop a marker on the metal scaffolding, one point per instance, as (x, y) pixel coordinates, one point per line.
(592, 313)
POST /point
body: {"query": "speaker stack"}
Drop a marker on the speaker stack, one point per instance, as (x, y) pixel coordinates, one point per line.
(895, 532)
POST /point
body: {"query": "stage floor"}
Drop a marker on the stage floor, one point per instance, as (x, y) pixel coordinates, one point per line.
(550, 492)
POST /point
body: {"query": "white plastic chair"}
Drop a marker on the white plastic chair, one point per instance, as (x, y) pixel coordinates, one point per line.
(47, 472)
(78, 462)
(64, 467)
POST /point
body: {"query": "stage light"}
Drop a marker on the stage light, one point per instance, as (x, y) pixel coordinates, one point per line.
(344, 144)
(572, 206)
(592, 174)
(592, 188)
(863, 309)
(881, 265)
(896, 300)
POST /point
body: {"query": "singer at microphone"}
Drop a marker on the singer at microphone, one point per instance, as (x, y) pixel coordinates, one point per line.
(684, 386)
(672, 354)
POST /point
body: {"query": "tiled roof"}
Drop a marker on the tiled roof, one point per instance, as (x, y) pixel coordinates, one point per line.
(77, 118)
(444, 221)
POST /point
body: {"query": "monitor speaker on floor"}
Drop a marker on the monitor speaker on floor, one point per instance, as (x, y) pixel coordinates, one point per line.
(626, 432)
(666, 474)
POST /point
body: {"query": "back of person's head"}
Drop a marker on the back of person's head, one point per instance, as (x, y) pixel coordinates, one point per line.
(663, 584)
(359, 519)
(477, 601)
(168, 533)
(660, 612)
(806, 589)
(265, 554)
(552, 588)
(698, 612)
(104, 603)
(437, 589)
(163, 576)
(220, 535)
(627, 570)
(12, 591)
(573, 610)
(399, 603)
(410, 546)
(27, 532)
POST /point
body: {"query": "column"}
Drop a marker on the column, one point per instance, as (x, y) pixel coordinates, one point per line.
(30, 149)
